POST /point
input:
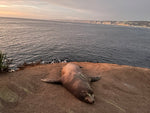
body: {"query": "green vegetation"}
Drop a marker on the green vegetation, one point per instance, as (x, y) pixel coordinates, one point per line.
(4, 62)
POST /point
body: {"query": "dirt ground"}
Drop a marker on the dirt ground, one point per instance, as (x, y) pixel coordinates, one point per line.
(122, 89)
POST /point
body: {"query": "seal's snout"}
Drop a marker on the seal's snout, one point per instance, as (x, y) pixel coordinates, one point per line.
(91, 102)
(90, 99)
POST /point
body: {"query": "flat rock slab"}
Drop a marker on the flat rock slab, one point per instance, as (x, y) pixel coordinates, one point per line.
(8, 95)
(122, 89)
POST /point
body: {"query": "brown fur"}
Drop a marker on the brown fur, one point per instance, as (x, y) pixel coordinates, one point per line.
(76, 82)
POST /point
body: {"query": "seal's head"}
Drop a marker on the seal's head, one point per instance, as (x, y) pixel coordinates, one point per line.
(88, 96)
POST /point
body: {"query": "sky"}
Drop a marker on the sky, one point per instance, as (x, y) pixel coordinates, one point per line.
(119, 10)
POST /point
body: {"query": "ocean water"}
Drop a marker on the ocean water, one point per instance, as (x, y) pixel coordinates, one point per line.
(27, 40)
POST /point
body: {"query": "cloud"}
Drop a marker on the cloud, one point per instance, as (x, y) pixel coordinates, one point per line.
(113, 9)
(98, 5)
(84, 9)
(4, 6)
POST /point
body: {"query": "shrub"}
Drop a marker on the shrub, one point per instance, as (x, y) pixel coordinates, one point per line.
(4, 62)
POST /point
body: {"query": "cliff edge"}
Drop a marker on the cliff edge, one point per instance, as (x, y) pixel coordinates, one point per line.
(122, 89)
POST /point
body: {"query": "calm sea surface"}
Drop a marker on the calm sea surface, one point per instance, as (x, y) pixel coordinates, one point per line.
(31, 40)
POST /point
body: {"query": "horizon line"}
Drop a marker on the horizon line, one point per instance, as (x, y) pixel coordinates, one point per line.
(72, 19)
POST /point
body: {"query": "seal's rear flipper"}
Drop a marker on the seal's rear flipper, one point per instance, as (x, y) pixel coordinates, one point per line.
(58, 81)
(94, 79)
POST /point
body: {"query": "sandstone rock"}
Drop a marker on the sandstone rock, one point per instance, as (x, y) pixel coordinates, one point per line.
(8, 95)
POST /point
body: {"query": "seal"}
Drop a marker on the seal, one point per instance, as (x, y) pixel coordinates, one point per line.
(76, 82)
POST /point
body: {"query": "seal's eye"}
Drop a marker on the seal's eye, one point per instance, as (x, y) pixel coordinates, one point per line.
(84, 93)
(90, 92)
(93, 95)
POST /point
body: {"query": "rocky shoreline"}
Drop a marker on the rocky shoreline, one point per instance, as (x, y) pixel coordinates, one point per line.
(142, 24)
(122, 89)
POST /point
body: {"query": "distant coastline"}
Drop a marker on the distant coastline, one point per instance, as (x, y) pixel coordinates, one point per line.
(144, 24)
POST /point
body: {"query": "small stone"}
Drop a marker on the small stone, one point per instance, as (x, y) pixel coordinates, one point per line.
(43, 62)
(11, 70)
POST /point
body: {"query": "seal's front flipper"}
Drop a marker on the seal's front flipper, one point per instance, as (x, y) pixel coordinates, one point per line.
(58, 81)
(94, 79)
